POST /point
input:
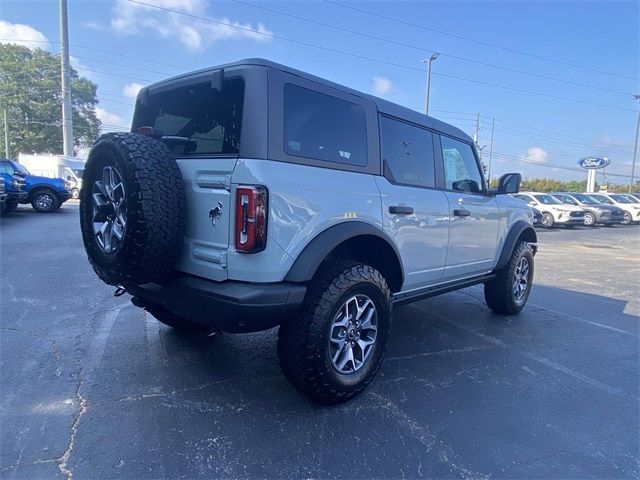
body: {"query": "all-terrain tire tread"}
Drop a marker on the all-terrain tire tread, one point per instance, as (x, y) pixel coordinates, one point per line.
(299, 340)
(498, 292)
(155, 224)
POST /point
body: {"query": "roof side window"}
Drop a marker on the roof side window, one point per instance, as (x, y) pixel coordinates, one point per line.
(323, 127)
(407, 153)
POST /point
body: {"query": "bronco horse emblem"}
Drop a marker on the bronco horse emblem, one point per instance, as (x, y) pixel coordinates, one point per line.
(215, 214)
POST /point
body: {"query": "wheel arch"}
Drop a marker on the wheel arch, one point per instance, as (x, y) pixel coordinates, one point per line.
(35, 189)
(520, 231)
(352, 240)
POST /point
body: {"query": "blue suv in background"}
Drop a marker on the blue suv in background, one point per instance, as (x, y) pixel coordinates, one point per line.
(43, 193)
(14, 187)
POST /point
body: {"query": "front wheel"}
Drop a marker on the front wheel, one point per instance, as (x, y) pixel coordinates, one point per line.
(45, 201)
(334, 346)
(75, 194)
(508, 292)
(589, 219)
(547, 220)
(627, 218)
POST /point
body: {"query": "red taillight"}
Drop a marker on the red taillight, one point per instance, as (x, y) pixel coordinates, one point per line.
(251, 218)
(145, 131)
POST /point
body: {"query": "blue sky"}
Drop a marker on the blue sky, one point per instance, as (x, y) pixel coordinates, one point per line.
(531, 130)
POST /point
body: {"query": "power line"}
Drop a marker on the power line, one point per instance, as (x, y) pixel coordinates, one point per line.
(480, 42)
(371, 59)
(422, 49)
(354, 55)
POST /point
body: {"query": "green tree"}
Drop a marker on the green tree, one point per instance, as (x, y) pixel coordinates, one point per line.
(30, 90)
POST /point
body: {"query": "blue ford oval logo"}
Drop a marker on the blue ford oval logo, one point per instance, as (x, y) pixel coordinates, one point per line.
(594, 163)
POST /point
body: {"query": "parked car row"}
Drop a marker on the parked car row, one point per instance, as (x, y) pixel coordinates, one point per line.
(570, 208)
(43, 193)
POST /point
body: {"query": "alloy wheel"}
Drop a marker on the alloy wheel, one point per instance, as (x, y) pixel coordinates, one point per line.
(109, 210)
(353, 334)
(521, 279)
(44, 201)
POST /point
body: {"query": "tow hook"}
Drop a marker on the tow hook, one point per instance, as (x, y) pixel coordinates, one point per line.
(120, 290)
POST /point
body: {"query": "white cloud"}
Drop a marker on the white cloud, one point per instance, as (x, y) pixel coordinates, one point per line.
(536, 154)
(381, 86)
(195, 34)
(98, 27)
(131, 89)
(24, 35)
(108, 118)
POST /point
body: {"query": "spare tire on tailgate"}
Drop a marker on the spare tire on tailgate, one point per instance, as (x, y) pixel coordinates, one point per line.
(132, 209)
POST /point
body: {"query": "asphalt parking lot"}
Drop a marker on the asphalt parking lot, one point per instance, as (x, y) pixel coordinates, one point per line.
(94, 388)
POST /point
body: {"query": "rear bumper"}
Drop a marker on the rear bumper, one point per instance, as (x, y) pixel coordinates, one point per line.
(228, 306)
(63, 196)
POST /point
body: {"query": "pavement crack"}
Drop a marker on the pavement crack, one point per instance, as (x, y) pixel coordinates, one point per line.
(81, 410)
(444, 451)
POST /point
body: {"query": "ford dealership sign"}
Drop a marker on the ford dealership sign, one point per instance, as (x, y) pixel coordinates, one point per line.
(594, 163)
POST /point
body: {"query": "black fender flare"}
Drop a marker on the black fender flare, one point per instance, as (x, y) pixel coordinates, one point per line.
(515, 232)
(314, 253)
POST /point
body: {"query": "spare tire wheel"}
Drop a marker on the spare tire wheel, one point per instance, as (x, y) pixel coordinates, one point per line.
(132, 209)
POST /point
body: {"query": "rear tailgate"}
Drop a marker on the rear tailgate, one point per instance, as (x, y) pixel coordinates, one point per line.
(208, 191)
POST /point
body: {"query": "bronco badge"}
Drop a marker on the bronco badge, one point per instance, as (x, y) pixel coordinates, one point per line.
(215, 214)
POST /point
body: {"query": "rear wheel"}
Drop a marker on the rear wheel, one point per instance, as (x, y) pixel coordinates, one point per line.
(508, 292)
(45, 201)
(75, 193)
(334, 346)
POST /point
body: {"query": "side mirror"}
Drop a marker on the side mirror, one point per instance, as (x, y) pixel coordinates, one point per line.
(509, 183)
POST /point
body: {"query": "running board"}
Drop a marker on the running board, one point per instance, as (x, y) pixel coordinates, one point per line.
(401, 298)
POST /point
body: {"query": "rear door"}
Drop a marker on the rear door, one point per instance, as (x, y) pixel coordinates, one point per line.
(201, 125)
(414, 213)
(475, 219)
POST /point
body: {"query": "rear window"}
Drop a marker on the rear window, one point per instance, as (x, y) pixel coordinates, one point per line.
(323, 127)
(207, 120)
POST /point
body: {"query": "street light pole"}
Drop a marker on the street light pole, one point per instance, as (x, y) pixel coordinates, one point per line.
(67, 119)
(635, 146)
(6, 135)
(426, 97)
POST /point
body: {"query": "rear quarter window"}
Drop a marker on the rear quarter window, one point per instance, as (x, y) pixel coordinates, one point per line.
(323, 127)
(209, 121)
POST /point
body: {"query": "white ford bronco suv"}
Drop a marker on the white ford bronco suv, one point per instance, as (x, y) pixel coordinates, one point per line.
(252, 195)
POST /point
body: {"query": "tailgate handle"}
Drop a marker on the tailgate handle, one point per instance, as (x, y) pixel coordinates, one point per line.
(461, 212)
(402, 209)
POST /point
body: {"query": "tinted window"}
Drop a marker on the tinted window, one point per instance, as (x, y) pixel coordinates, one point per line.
(460, 166)
(323, 127)
(6, 168)
(407, 153)
(208, 120)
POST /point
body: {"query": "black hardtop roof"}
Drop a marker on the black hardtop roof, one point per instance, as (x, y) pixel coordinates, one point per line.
(384, 106)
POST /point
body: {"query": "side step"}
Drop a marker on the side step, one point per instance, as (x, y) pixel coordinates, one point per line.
(401, 298)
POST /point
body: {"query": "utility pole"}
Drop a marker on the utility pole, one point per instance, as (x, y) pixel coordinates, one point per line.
(476, 133)
(493, 125)
(6, 135)
(635, 146)
(426, 97)
(67, 118)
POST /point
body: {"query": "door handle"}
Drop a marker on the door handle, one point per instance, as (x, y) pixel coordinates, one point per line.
(402, 209)
(461, 212)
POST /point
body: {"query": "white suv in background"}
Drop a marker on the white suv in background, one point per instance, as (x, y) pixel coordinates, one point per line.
(625, 202)
(553, 210)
